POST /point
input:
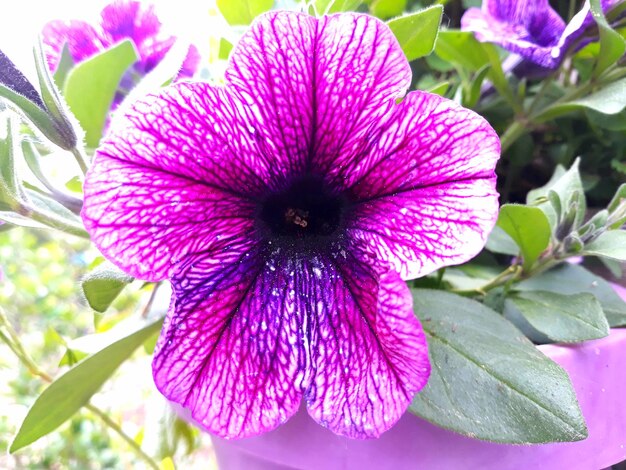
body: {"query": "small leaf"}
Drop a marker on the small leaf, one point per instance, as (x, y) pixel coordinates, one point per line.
(417, 32)
(611, 244)
(528, 227)
(612, 44)
(565, 184)
(569, 279)
(67, 394)
(242, 12)
(611, 99)
(488, 381)
(474, 92)
(91, 86)
(102, 286)
(568, 318)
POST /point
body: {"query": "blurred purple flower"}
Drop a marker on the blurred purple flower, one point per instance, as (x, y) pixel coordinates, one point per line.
(530, 28)
(120, 20)
(287, 208)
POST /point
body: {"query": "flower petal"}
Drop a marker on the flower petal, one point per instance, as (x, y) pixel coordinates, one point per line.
(360, 71)
(82, 39)
(531, 29)
(173, 176)
(233, 349)
(125, 19)
(426, 196)
(371, 355)
(317, 85)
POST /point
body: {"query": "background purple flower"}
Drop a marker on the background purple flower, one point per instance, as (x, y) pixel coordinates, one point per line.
(120, 20)
(530, 28)
(287, 208)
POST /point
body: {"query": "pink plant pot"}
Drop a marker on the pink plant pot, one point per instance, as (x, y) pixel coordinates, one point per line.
(596, 369)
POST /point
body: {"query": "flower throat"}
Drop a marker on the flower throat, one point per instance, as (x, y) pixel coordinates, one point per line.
(306, 210)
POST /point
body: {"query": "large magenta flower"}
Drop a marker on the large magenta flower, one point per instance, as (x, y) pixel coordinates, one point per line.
(531, 28)
(286, 208)
(122, 19)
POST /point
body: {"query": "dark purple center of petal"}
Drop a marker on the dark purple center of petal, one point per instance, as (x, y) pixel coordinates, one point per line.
(306, 214)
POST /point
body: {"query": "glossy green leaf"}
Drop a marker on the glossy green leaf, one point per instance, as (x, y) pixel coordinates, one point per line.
(102, 286)
(565, 318)
(612, 44)
(91, 86)
(473, 95)
(460, 47)
(611, 244)
(565, 184)
(71, 391)
(488, 381)
(242, 12)
(326, 7)
(417, 32)
(569, 279)
(529, 227)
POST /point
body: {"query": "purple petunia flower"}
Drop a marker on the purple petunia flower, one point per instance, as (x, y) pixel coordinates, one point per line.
(530, 28)
(120, 20)
(287, 208)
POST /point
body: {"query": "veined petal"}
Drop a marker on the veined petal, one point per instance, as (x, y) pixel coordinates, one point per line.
(426, 196)
(175, 175)
(233, 349)
(272, 69)
(360, 71)
(371, 355)
(82, 39)
(531, 29)
(317, 86)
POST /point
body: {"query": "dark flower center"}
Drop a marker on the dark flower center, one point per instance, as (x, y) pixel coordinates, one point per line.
(306, 212)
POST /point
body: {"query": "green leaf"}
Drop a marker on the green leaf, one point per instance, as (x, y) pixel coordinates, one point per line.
(67, 394)
(611, 99)
(225, 49)
(386, 8)
(11, 191)
(461, 48)
(326, 7)
(439, 89)
(473, 95)
(65, 64)
(488, 381)
(57, 107)
(612, 44)
(611, 244)
(567, 318)
(242, 12)
(528, 227)
(91, 86)
(102, 286)
(569, 279)
(565, 184)
(617, 209)
(417, 32)
(500, 242)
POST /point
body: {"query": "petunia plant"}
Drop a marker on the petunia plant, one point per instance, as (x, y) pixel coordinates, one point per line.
(359, 207)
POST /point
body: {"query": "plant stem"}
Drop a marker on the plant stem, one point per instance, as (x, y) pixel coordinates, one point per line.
(80, 159)
(116, 427)
(15, 345)
(515, 130)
